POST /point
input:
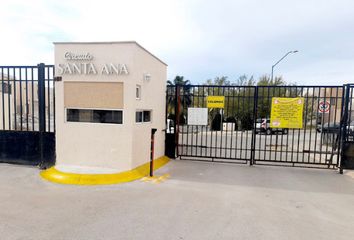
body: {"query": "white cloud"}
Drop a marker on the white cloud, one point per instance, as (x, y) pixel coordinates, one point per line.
(198, 39)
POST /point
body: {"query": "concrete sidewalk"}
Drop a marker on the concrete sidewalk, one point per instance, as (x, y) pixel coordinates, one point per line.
(199, 201)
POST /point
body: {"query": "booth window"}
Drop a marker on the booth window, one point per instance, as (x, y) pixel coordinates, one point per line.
(138, 92)
(94, 116)
(143, 116)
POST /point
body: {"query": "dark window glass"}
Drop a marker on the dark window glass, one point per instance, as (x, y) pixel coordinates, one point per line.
(138, 116)
(147, 116)
(143, 116)
(94, 116)
(138, 90)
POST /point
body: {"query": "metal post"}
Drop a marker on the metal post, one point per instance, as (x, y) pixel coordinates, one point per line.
(343, 126)
(255, 108)
(272, 72)
(153, 130)
(177, 112)
(41, 96)
(281, 60)
(41, 108)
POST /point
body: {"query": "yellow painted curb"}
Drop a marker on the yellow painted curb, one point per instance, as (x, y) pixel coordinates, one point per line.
(53, 175)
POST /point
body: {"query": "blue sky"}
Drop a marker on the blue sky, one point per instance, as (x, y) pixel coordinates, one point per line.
(197, 39)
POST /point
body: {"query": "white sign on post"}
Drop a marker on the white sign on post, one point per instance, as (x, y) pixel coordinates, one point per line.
(198, 116)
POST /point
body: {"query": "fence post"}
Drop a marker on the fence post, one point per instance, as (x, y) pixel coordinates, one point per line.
(255, 108)
(152, 150)
(41, 108)
(177, 112)
(343, 125)
(41, 96)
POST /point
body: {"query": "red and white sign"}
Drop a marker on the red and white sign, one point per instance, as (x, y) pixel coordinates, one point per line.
(323, 106)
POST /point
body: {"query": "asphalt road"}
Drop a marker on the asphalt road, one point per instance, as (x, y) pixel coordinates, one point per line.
(199, 201)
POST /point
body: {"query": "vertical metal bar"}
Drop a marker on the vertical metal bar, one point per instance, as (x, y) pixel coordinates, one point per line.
(166, 115)
(350, 106)
(315, 143)
(8, 96)
(152, 146)
(3, 98)
(185, 146)
(21, 105)
(255, 108)
(293, 130)
(243, 132)
(41, 108)
(285, 91)
(201, 95)
(269, 105)
(48, 93)
(299, 130)
(237, 142)
(333, 135)
(335, 144)
(26, 79)
(177, 111)
(250, 99)
(15, 96)
(232, 149)
(221, 125)
(195, 128)
(311, 119)
(226, 115)
(306, 101)
(343, 125)
(261, 118)
(32, 100)
(41, 97)
(53, 100)
(213, 88)
(266, 99)
(209, 123)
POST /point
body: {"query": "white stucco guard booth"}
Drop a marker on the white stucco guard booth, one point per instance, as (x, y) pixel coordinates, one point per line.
(109, 97)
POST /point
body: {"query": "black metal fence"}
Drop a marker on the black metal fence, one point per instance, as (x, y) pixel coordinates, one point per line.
(240, 132)
(27, 114)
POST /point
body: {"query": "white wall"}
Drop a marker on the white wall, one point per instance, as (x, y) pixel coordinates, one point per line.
(118, 146)
(153, 97)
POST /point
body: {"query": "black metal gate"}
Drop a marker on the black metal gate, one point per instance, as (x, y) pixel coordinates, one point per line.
(27, 115)
(347, 130)
(240, 131)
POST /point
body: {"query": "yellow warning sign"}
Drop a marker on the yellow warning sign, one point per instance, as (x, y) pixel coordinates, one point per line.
(286, 112)
(215, 101)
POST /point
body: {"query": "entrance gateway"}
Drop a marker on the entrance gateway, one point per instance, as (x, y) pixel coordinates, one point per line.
(235, 125)
(95, 114)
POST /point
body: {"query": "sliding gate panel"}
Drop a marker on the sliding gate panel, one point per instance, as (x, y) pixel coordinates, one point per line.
(228, 134)
(27, 115)
(239, 131)
(316, 143)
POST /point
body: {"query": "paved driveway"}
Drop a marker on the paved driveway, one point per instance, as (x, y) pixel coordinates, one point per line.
(199, 201)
